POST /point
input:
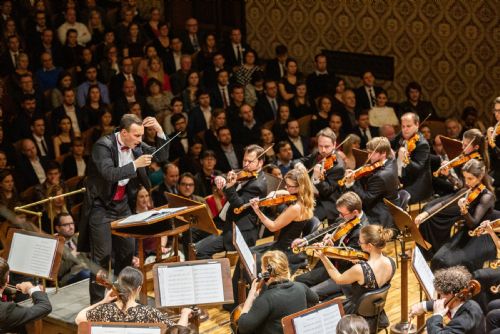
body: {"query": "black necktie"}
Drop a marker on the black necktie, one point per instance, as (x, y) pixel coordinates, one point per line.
(238, 57)
(275, 108)
(44, 146)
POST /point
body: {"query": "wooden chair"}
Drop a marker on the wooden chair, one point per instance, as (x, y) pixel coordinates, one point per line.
(371, 304)
(304, 124)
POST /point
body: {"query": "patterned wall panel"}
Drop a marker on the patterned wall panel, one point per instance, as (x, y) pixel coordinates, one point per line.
(452, 47)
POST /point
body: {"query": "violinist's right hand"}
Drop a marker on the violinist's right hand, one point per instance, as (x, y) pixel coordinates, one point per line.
(109, 297)
(416, 310)
(299, 242)
(420, 218)
(220, 182)
(489, 132)
(349, 177)
(327, 240)
(486, 226)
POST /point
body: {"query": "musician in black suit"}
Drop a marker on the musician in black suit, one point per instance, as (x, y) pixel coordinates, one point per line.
(328, 188)
(235, 49)
(413, 162)
(126, 73)
(13, 317)
(350, 211)
(465, 315)
(364, 130)
(300, 144)
(276, 68)
(115, 171)
(366, 95)
(237, 194)
(382, 183)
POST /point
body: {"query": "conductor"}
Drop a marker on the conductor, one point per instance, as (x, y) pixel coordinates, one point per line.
(115, 172)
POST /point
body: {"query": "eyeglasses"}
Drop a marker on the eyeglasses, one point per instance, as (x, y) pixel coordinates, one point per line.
(187, 184)
(362, 243)
(67, 224)
(290, 185)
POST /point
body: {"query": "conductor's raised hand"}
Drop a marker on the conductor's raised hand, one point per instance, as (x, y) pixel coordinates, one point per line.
(143, 161)
(151, 122)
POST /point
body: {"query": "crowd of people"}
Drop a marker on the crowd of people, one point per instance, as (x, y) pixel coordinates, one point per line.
(89, 90)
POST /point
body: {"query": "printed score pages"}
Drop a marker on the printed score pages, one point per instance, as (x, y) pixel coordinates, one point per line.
(422, 270)
(321, 321)
(32, 255)
(124, 330)
(191, 284)
(245, 252)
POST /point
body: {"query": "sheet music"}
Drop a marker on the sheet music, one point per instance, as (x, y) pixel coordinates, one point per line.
(124, 330)
(191, 284)
(422, 270)
(245, 252)
(32, 255)
(140, 217)
(322, 321)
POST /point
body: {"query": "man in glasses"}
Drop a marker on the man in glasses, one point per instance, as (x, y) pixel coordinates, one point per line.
(343, 232)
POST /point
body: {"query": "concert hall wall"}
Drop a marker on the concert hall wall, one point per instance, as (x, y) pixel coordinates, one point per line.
(451, 47)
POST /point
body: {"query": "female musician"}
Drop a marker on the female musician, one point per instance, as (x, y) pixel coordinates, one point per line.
(264, 308)
(289, 223)
(366, 275)
(119, 304)
(472, 207)
(465, 315)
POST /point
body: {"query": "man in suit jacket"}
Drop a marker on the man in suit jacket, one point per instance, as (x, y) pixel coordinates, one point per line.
(79, 119)
(116, 83)
(276, 68)
(349, 206)
(465, 315)
(415, 173)
(76, 163)
(327, 184)
(211, 72)
(129, 96)
(179, 146)
(9, 57)
(30, 168)
(235, 49)
(199, 118)
(267, 107)
(237, 195)
(364, 130)
(382, 183)
(300, 144)
(319, 82)
(13, 317)
(220, 97)
(228, 154)
(192, 39)
(115, 172)
(40, 138)
(178, 80)
(169, 185)
(366, 95)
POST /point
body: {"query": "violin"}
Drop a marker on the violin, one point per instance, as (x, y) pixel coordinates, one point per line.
(362, 172)
(101, 278)
(345, 228)
(411, 145)
(342, 253)
(493, 136)
(458, 161)
(495, 264)
(495, 289)
(267, 202)
(244, 175)
(495, 224)
(473, 194)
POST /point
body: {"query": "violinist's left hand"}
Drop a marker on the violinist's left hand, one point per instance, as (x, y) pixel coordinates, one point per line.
(439, 307)
(108, 298)
(253, 293)
(462, 204)
(402, 153)
(231, 179)
(317, 172)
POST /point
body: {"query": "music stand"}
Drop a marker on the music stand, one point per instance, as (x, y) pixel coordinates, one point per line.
(407, 229)
(288, 321)
(273, 182)
(244, 265)
(90, 327)
(452, 147)
(360, 156)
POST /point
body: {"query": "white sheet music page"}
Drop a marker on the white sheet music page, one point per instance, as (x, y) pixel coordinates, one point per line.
(309, 324)
(208, 287)
(124, 330)
(176, 286)
(245, 252)
(422, 270)
(32, 255)
(330, 316)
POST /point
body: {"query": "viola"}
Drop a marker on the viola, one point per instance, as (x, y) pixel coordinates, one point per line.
(411, 145)
(267, 202)
(342, 253)
(101, 278)
(244, 175)
(345, 228)
(472, 289)
(493, 136)
(362, 172)
(480, 230)
(458, 161)
(473, 194)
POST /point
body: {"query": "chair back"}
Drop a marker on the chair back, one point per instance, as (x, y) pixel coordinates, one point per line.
(404, 199)
(372, 303)
(311, 226)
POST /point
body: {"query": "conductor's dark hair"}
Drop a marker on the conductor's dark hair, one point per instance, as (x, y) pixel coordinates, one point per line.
(129, 119)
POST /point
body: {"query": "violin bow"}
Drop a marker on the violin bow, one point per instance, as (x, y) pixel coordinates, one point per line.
(168, 141)
(425, 119)
(260, 155)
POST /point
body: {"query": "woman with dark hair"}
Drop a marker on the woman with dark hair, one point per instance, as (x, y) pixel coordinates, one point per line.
(7, 148)
(142, 66)
(152, 27)
(121, 306)
(109, 65)
(191, 161)
(134, 44)
(339, 89)
(208, 49)
(299, 104)
(162, 42)
(279, 125)
(64, 81)
(8, 192)
(53, 208)
(255, 90)
(158, 100)
(287, 85)
(64, 137)
(94, 105)
(470, 120)
(104, 127)
(188, 95)
(244, 73)
(217, 121)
